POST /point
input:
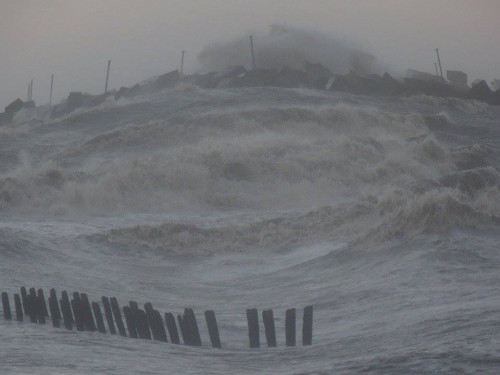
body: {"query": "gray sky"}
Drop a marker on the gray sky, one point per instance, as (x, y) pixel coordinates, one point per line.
(74, 38)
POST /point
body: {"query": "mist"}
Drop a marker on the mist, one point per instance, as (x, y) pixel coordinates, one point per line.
(290, 46)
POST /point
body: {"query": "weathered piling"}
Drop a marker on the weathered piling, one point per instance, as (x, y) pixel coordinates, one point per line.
(25, 301)
(32, 302)
(98, 317)
(213, 330)
(54, 307)
(155, 323)
(19, 308)
(130, 320)
(184, 330)
(88, 319)
(192, 327)
(172, 328)
(66, 311)
(268, 319)
(77, 305)
(307, 326)
(142, 325)
(43, 304)
(57, 311)
(109, 314)
(7, 314)
(290, 325)
(118, 316)
(253, 328)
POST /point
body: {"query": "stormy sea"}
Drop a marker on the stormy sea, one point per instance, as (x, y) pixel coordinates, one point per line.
(382, 213)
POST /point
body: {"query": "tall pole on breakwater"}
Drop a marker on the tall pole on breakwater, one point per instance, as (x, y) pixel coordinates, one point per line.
(440, 67)
(251, 50)
(51, 86)
(436, 66)
(107, 77)
(182, 62)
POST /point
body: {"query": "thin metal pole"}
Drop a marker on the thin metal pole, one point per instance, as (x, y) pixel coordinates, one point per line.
(51, 86)
(29, 91)
(251, 48)
(440, 67)
(182, 62)
(436, 66)
(107, 77)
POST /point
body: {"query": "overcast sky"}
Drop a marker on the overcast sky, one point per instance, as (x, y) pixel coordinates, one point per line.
(74, 39)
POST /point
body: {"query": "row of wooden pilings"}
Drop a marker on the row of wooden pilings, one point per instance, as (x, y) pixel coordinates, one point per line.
(144, 323)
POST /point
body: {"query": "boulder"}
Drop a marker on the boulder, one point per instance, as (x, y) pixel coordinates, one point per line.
(232, 71)
(14, 107)
(288, 77)
(480, 91)
(390, 86)
(255, 78)
(168, 80)
(317, 74)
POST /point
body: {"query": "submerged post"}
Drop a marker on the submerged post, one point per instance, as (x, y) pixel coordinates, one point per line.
(118, 316)
(251, 50)
(51, 86)
(253, 328)
(290, 327)
(19, 308)
(307, 326)
(6, 306)
(192, 327)
(172, 328)
(109, 314)
(98, 317)
(268, 319)
(213, 330)
(66, 311)
(25, 301)
(107, 77)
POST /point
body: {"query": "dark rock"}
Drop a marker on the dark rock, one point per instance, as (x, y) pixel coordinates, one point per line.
(134, 90)
(480, 91)
(317, 74)
(390, 86)
(231, 71)
(288, 77)
(253, 78)
(15, 106)
(457, 78)
(168, 80)
(120, 92)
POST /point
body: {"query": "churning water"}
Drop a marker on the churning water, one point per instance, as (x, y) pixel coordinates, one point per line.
(382, 213)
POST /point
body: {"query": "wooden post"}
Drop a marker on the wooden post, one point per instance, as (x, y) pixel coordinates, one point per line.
(213, 330)
(53, 295)
(66, 311)
(142, 325)
(172, 328)
(98, 317)
(192, 327)
(307, 326)
(19, 308)
(7, 314)
(51, 86)
(268, 319)
(130, 320)
(88, 319)
(184, 331)
(118, 316)
(155, 324)
(54, 314)
(109, 314)
(25, 301)
(251, 49)
(107, 77)
(290, 327)
(253, 328)
(161, 327)
(77, 305)
(41, 298)
(32, 303)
